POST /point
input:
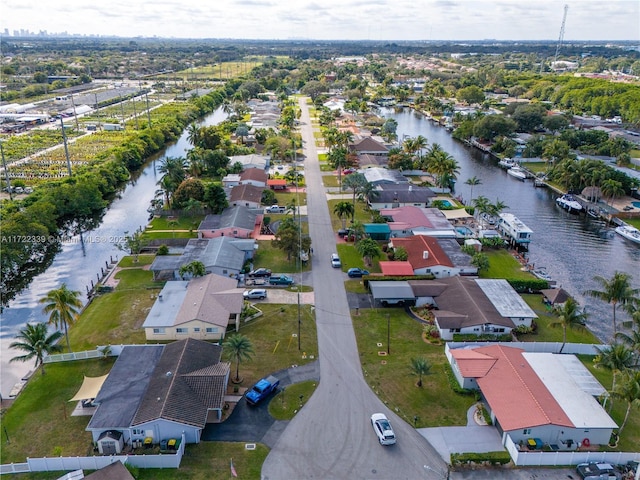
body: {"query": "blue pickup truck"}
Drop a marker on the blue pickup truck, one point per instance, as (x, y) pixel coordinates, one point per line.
(262, 390)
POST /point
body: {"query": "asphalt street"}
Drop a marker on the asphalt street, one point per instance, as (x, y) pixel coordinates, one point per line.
(332, 437)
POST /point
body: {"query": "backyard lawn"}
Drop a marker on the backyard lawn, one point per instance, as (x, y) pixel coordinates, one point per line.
(268, 256)
(435, 404)
(502, 264)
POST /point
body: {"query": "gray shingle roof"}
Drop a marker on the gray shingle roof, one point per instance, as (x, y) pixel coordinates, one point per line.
(187, 381)
(125, 386)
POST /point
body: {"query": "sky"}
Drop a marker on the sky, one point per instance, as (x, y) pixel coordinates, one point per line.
(329, 19)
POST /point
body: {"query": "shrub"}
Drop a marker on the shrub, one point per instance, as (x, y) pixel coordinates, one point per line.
(455, 386)
(163, 250)
(494, 458)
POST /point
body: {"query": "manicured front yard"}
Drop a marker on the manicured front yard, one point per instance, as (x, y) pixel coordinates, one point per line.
(289, 400)
(268, 256)
(435, 404)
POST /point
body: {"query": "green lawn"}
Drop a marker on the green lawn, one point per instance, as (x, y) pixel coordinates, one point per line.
(129, 261)
(630, 438)
(362, 214)
(287, 402)
(267, 256)
(117, 317)
(503, 265)
(274, 342)
(435, 404)
(39, 422)
(175, 223)
(350, 258)
(330, 180)
(546, 333)
(285, 198)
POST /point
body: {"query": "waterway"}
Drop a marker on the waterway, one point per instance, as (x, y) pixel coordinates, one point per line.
(79, 264)
(572, 248)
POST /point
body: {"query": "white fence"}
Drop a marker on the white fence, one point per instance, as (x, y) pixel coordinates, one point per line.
(539, 459)
(537, 347)
(55, 464)
(113, 351)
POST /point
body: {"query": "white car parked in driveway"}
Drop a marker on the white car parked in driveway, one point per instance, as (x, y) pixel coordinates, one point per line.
(383, 429)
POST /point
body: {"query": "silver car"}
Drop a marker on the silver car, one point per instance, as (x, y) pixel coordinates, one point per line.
(259, 293)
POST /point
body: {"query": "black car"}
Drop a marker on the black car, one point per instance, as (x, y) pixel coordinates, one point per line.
(260, 272)
(357, 272)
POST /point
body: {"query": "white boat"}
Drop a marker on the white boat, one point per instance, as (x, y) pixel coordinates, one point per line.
(517, 233)
(569, 203)
(629, 232)
(507, 163)
(517, 172)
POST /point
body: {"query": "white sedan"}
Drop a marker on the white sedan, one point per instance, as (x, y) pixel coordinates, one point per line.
(383, 429)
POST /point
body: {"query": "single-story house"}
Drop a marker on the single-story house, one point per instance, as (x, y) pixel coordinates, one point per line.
(379, 176)
(201, 308)
(251, 161)
(428, 257)
(221, 255)
(478, 306)
(161, 392)
(426, 291)
(368, 145)
(254, 176)
(410, 220)
(366, 160)
(277, 184)
(400, 195)
(552, 397)
(113, 471)
(236, 222)
(249, 196)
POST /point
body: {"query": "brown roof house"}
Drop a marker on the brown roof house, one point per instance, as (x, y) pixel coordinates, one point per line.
(201, 308)
(479, 306)
(249, 196)
(162, 391)
(254, 176)
(427, 256)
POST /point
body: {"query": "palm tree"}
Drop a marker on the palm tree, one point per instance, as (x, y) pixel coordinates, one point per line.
(356, 182)
(632, 338)
(193, 134)
(612, 189)
(616, 358)
(63, 306)
(473, 181)
(569, 316)
(343, 210)
(482, 206)
(616, 291)
(628, 389)
(419, 367)
(36, 342)
(239, 348)
(369, 249)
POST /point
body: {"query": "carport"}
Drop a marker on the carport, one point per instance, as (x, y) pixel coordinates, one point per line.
(392, 293)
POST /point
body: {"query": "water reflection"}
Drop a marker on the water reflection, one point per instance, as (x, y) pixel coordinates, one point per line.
(572, 248)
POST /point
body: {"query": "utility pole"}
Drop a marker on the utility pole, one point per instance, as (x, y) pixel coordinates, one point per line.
(66, 148)
(388, 334)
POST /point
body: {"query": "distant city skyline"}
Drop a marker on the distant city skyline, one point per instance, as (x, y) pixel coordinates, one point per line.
(328, 20)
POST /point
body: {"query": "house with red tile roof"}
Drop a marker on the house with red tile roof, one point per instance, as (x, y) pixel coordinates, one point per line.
(277, 183)
(390, 269)
(427, 256)
(529, 395)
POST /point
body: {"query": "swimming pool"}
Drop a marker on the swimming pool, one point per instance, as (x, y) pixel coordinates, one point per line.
(446, 203)
(636, 204)
(464, 231)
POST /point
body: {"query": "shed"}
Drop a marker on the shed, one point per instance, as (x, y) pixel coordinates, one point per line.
(110, 442)
(377, 231)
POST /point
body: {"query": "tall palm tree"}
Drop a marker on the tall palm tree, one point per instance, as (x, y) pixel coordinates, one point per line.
(238, 348)
(193, 134)
(612, 188)
(632, 338)
(343, 210)
(419, 367)
(355, 182)
(369, 249)
(472, 182)
(616, 291)
(569, 316)
(616, 358)
(36, 342)
(628, 389)
(63, 306)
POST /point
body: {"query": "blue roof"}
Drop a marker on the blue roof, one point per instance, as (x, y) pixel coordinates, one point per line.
(377, 228)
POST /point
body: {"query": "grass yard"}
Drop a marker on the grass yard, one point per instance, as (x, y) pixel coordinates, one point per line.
(350, 258)
(286, 198)
(212, 461)
(362, 214)
(128, 261)
(273, 341)
(174, 223)
(630, 438)
(267, 256)
(116, 317)
(546, 333)
(39, 423)
(503, 265)
(287, 402)
(435, 404)
(330, 180)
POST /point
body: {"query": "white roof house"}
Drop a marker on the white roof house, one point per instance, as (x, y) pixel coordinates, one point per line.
(507, 301)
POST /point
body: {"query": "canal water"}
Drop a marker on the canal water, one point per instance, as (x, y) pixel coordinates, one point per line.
(78, 264)
(572, 248)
